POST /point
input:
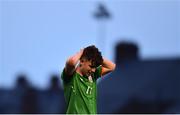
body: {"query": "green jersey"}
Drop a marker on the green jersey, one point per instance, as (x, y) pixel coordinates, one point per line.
(80, 93)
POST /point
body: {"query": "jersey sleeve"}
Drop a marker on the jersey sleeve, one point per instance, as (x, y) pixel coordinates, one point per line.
(64, 77)
(97, 73)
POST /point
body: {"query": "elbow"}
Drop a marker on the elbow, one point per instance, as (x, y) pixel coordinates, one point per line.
(113, 67)
(71, 61)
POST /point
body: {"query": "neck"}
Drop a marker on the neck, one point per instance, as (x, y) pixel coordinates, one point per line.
(78, 70)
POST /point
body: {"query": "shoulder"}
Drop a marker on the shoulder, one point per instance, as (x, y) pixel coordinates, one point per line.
(65, 77)
(98, 72)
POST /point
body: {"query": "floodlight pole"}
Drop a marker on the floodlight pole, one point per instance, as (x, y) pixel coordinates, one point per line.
(102, 15)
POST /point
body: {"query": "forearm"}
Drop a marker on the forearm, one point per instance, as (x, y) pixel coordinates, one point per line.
(108, 64)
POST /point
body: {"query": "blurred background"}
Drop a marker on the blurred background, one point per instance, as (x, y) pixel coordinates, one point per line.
(141, 36)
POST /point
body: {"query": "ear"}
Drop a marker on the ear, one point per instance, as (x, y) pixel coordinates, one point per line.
(81, 62)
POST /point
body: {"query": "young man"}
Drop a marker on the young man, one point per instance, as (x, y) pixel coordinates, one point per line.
(79, 79)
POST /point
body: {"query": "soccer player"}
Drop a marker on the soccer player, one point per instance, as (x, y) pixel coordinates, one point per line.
(79, 79)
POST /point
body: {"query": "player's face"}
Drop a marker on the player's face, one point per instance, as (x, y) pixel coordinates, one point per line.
(87, 68)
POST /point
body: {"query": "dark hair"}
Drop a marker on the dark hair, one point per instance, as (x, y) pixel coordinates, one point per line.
(91, 53)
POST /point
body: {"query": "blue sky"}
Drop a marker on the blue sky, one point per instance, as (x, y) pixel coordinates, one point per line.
(38, 36)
